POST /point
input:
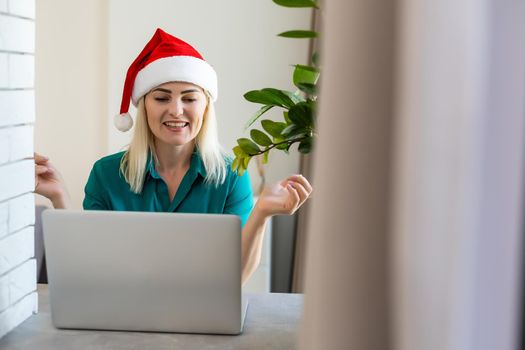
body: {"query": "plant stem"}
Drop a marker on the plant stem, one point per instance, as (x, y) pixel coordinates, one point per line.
(299, 139)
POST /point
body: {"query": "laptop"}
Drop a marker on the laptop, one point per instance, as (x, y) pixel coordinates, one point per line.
(138, 271)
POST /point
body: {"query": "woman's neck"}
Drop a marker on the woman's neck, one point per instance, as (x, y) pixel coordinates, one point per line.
(173, 158)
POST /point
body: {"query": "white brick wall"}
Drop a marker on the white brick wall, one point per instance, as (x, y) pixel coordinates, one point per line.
(15, 286)
(19, 285)
(21, 212)
(21, 71)
(17, 178)
(18, 107)
(23, 8)
(4, 70)
(16, 143)
(16, 248)
(18, 313)
(18, 298)
(3, 5)
(18, 35)
(4, 215)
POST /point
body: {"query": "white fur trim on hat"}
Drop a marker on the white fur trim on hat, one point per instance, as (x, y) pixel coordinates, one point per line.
(123, 122)
(176, 68)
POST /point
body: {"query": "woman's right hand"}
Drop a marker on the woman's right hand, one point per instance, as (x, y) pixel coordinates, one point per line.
(49, 183)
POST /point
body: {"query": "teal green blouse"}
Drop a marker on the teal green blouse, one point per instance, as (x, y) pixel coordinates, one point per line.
(107, 189)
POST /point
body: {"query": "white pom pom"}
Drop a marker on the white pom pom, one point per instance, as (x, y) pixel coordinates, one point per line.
(123, 122)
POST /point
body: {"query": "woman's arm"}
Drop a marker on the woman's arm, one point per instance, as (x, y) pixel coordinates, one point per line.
(251, 244)
(282, 198)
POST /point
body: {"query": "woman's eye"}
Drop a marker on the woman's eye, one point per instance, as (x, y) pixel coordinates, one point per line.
(190, 99)
(161, 99)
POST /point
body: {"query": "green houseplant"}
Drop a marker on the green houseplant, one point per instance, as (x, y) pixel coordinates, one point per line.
(298, 107)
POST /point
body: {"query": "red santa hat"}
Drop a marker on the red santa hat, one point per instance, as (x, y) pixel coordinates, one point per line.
(165, 58)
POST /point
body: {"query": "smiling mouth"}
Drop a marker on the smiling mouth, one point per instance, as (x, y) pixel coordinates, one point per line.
(176, 125)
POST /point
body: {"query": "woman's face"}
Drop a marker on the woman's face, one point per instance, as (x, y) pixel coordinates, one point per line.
(175, 111)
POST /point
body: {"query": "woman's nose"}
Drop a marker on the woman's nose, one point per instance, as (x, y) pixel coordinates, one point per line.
(176, 108)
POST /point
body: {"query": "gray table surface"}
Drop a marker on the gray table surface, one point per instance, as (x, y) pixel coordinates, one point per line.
(271, 323)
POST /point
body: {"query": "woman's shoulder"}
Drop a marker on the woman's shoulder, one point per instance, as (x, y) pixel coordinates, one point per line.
(228, 160)
(110, 161)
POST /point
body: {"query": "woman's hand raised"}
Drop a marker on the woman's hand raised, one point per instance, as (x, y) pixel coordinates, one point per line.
(284, 197)
(49, 183)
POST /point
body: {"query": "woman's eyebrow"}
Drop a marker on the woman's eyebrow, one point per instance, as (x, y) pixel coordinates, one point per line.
(188, 91)
(169, 91)
(162, 90)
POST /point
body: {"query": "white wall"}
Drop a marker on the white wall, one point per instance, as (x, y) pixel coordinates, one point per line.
(71, 88)
(18, 299)
(80, 71)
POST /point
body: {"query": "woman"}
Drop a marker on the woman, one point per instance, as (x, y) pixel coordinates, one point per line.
(174, 162)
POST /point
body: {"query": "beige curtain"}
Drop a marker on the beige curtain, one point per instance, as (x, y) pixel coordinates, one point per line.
(416, 223)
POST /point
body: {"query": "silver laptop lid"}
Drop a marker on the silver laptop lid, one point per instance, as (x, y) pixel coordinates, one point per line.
(166, 272)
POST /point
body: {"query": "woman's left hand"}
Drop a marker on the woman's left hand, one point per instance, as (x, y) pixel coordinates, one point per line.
(284, 197)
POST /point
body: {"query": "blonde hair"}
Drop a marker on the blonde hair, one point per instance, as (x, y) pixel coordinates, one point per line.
(133, 163)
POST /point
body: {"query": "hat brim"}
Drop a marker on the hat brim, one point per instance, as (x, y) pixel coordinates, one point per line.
(177, 68)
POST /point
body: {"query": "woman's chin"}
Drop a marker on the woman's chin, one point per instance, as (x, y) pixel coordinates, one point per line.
(175, 142)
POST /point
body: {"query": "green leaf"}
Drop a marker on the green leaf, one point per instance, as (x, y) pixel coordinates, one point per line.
(256, 116)
(299, 34)
(260, 137)
(305, 146)
(273, 128)
(239, 153)
(295, 97)
(248, 146)
(245, 162)
(270, 97)
(265, 157)
(310, 89)
(288, 129)
(240, 170)
(235, 164)
(243, 165)
(302, 114)
(278, 139)
(283, 147)
(293, 130)
(286, 118)
(296, 3)
(308, 68)
(305, 75)
(316, 59)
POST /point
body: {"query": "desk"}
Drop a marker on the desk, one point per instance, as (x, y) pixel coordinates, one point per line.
(271, 323)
